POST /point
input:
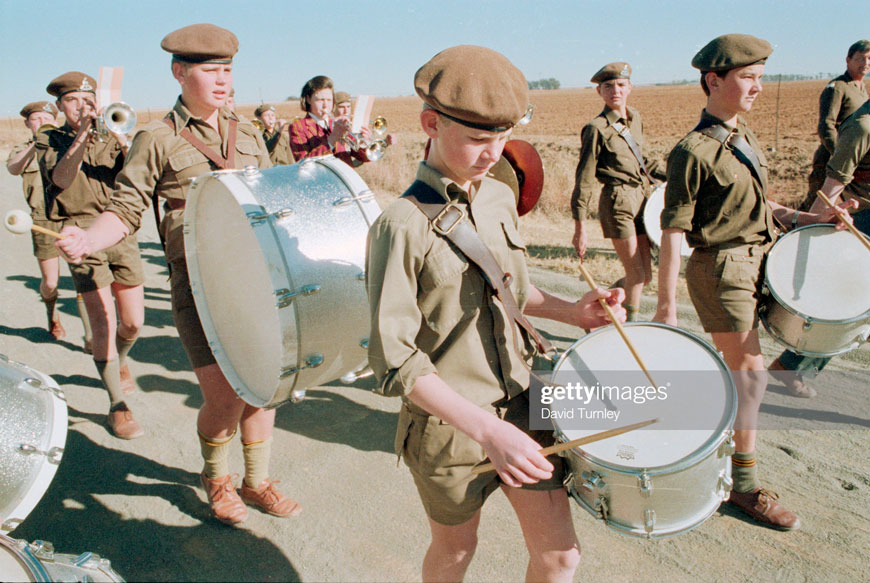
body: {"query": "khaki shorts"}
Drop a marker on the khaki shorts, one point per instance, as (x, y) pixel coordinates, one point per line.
(187, 318)
(441, 459)
(43, 245)
(724, 286)
(120, 263)
(620, 210)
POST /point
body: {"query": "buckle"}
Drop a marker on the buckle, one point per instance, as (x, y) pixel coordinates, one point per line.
(458, 215)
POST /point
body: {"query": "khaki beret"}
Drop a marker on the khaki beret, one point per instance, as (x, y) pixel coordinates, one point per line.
(263, 109)
(730, 51)
(476, 87)
(45, 106)
(341, 97)
(72, 81)
(201, 43)
(618, 70)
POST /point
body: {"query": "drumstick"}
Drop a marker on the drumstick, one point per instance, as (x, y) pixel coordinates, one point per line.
(849, 225)
(19, 222)
(577, 442)
(618, 325)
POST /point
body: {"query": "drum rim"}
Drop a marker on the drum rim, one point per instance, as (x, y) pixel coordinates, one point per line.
(781, 302)
(717, 437)
(36, 569)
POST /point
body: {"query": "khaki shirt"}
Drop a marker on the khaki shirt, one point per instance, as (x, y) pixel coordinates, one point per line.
(162, 162)
(839, 99)
(853, 155)
(712, 195)
(92, 187)
(432, 311)
(32, 182)
(606, 157)
(278, 145)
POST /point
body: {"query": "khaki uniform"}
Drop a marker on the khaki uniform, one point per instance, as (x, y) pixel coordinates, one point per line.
(278, 145)
(839, 99)
(850, 163)
(721, 204)
(83, 201)
(43, 245)
(606, 158)
(432, 311)
(161, 161)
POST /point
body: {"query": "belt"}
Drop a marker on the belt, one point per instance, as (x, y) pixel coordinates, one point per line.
(174, 204)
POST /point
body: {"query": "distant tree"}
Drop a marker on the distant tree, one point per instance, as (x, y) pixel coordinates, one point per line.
(550, 83)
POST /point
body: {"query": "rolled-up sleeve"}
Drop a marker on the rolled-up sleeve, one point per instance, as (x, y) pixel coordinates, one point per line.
(137, 180)
(393, 260)
(684, 181)
(585, 181)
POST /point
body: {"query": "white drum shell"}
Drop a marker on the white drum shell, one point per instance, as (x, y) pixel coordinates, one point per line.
(652, 213)
(33, 426)
(834, 276)
(669, 498)
(276, 261)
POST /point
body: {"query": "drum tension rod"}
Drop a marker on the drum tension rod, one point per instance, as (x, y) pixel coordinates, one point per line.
(256, 218)
(53, 455)
(312, 361)
(360, 196)
(285, 296)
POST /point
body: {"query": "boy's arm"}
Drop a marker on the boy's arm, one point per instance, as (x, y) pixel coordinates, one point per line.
(586, 312)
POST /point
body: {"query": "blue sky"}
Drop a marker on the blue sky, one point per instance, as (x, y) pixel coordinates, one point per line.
(375, 47)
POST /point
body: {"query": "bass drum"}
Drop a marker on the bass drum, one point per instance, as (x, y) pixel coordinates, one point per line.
(33, 425)
(652, 213)
(815, 299)
(652, 482)
(37, 561)
(276, 261)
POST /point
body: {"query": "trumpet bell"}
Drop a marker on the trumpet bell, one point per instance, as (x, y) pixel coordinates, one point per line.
(119, 118)
(376, 150)
(379, 126)
(258, 124)
(45, 127)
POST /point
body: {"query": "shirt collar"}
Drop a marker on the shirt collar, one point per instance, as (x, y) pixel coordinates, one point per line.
(446, 188)
(319, 121)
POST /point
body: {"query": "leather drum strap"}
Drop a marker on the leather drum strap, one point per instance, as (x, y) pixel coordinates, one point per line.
(635, 148)
(739, 146)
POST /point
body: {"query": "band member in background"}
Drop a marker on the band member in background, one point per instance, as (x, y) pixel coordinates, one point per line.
(78, 170)
(839, 99)
(318, 134)
(717, 178)
(441, 340)
(22, 162)
(275, 134)
(344, 109)
(197, 130)
(611, 153)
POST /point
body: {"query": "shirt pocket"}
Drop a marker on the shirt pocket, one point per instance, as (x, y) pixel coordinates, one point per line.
(450, 290)
(185, 166)
(248, 150)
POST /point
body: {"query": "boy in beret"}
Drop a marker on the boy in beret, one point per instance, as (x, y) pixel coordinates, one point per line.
(611, 153)
(163, 161)
(78, 171)
(277, 140)
(443, 343)
(717, 178)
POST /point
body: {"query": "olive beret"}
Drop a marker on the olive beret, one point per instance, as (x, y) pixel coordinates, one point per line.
(730, 51)
(618, 70)
(474, 86)
(72, 81)
(201, 43)
(263, 109)
(341, 97)
(38, 106)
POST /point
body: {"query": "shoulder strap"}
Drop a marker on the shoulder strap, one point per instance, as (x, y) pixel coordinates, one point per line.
(635, 148)
(739, 146)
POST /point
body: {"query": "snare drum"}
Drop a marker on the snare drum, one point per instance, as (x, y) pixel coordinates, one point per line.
(652, 482)
(33, 424)
(276, 262)
(37, 561)
(652, 214)
(816, 297)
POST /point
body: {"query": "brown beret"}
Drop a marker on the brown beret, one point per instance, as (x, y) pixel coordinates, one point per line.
(474, 86)
(618, 70)
(72, 81)
(45, 106)
(730, 51)
(341, 97)
(263, 109)
(201, 43)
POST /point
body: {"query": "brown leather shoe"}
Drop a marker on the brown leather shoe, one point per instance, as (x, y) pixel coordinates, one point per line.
(795, 386)
(88, 348)
(761, 505)
(128, 386)
(270, 500)
(122, 424)
(57, 330)
(223, 499)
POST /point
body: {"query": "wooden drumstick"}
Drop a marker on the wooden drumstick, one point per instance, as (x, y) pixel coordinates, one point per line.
(19, 222)
(849, 225)
(577, 442)
(588, 277)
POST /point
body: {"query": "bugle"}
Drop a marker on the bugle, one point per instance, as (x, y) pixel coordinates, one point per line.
(118, 118)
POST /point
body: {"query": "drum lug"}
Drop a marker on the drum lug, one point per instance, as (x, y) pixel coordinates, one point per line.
(298, 395)
(362, 276)
(285, 296)
(256, 218)
(645, 485)
(592, 481)
(11, 524)
(312, 361)
(364, 343)
(724, 484)
(649, 521)
(808, 324)
(568, 480)
(251, 172)
(601, 507)
(727, 448)
(356, 375)
(363, 196)
(42, 550)
(38, 384)
(53, 455)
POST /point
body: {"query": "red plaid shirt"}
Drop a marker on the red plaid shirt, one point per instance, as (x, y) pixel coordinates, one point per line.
(308, 139)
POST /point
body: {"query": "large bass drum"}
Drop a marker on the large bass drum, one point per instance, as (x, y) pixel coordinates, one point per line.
(652, 213)
(276, 262)
(651, 482)
(816, 283)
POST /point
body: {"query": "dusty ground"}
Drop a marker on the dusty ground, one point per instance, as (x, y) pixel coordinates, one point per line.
(139, 504)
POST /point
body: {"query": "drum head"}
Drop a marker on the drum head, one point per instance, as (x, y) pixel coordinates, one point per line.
(699, 408)
(15, 565)
(820, 272)
(33, 425)
(652, 212)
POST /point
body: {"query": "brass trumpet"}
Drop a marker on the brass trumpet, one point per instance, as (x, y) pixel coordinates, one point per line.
(258, 124)
(375, 147)
(118, 118)
(45, 127)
